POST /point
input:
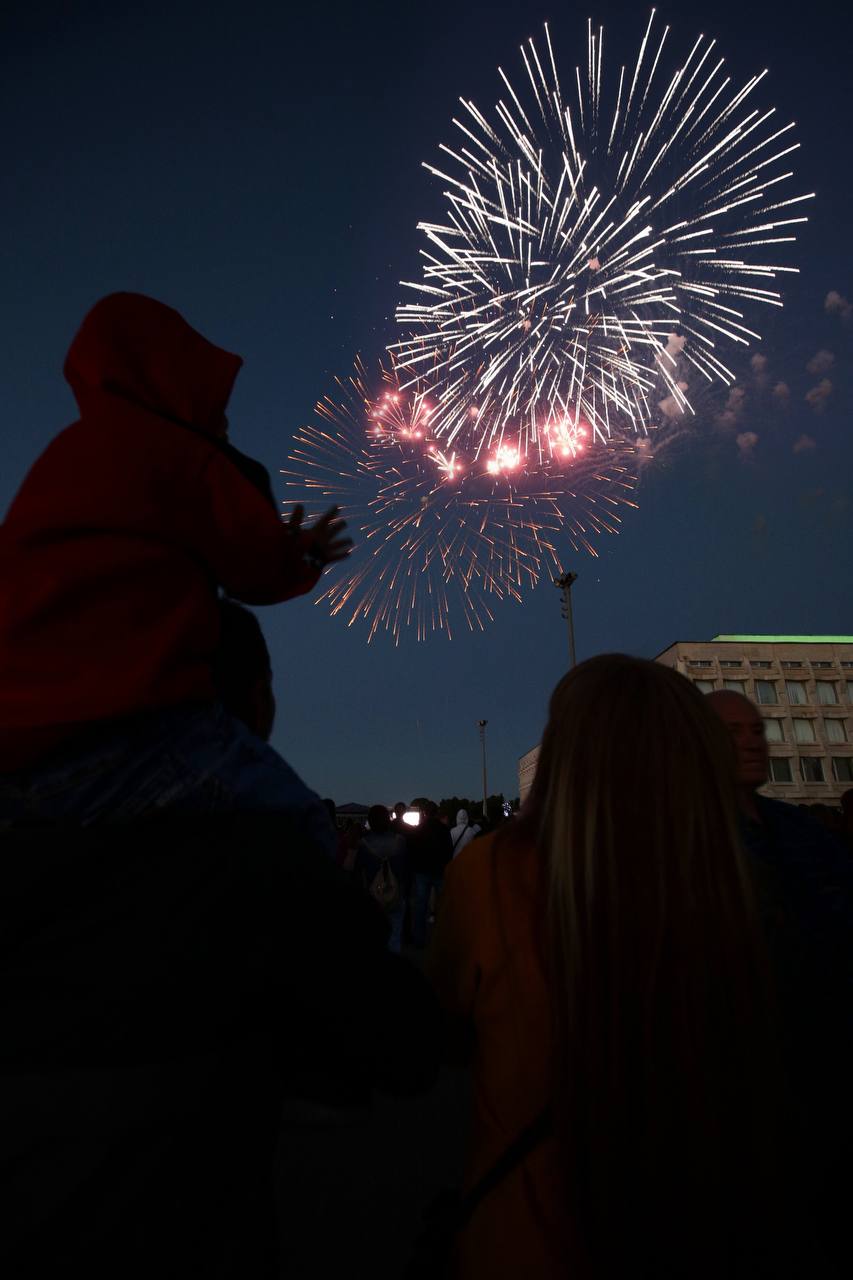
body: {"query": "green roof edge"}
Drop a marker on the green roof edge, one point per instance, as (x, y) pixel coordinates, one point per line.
(783, 639)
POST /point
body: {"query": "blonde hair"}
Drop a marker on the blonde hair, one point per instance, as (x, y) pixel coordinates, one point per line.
(664, 1059)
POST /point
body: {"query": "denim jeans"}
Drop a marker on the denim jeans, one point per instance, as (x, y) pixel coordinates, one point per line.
(423, 886)
(395, 919)
(187, 759)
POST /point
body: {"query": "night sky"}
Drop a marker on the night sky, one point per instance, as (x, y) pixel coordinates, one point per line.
(261, 172)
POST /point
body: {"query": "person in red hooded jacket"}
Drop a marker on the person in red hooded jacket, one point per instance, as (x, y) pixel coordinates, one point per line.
(114, 556)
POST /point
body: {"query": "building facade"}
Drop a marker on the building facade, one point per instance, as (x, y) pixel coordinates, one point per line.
(803, 687)
(526, 770)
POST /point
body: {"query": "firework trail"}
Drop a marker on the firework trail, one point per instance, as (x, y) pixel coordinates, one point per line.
(605, 243)
(590, 224)
(440, 534)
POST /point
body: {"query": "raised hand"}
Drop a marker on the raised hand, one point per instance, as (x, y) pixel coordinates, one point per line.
(324, 545)
(297, 515)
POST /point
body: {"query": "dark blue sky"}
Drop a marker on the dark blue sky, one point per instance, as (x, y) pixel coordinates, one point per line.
(261, 172)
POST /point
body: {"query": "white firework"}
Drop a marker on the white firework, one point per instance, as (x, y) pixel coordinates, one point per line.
(594, 231)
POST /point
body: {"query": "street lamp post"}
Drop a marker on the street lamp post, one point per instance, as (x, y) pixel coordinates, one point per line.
(565, 585)
(482, 724)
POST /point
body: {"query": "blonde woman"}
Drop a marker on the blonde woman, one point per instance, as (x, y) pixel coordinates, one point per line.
(602, 966)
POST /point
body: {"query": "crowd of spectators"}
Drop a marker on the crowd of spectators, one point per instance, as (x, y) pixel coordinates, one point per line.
(647, 972)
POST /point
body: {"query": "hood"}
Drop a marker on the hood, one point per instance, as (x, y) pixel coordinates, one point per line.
(142, 351)
(462, 818)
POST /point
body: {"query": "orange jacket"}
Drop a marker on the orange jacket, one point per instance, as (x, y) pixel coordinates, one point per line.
(487, 968)
(115, 546)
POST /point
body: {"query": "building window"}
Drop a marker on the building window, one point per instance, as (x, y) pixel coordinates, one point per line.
(796, 691)
(736, 662)
(765, 692)
(699, 662)
(792, 662)
(704, 686)
(845, 663)
(773, 731)
(842, 768)
(826, 693)
(736, 686)
(780, 769)
(836, 730)
(762, 665)
(804, 730)
(821, 666)
(812, 767)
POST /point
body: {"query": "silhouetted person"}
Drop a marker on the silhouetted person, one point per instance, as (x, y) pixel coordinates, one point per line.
(806, 880)
(331, 810)
(407, 832)
(383, 864)
(828, 817)
(348, 841)
(746, 729)
(162, 989)
(847, 818)
(402, 828)
(463, 833)
(242, 671)
(603, 966)
(769, 825)
(111, 558)
(431, 850)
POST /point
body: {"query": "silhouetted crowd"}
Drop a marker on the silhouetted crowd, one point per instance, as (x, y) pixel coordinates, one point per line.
(401, 858)
(647, 973)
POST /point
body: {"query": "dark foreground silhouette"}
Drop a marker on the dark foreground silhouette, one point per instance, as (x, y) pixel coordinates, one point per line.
(165, 987)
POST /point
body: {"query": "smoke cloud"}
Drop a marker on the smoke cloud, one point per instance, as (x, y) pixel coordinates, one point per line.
(837, 305)
(731, 414)
(816, 398)
(820, 363)
(758, 364)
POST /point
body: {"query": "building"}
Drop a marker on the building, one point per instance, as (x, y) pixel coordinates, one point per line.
(526, 770)
(345, 812)
(803, 686)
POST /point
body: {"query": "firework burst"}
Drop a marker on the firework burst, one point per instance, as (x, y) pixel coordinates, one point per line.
(443, 535)
(591, 223)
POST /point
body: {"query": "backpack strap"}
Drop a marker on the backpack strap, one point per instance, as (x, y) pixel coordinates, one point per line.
(459, 837)
(450, 1213)
(517, 1150)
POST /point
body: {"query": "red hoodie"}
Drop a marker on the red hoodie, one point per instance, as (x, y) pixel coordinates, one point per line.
(112, 552)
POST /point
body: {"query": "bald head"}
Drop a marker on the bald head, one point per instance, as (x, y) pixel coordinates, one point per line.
(746, 727)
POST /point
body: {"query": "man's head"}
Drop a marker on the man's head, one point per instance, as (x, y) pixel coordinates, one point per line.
(378, 819)
(399, 809)
(746, 728)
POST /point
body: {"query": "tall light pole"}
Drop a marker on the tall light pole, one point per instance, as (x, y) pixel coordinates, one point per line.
(565, 585)
(482, 724)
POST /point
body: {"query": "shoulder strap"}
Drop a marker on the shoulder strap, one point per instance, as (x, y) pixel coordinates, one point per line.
(461, 834)
(520, 1147)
